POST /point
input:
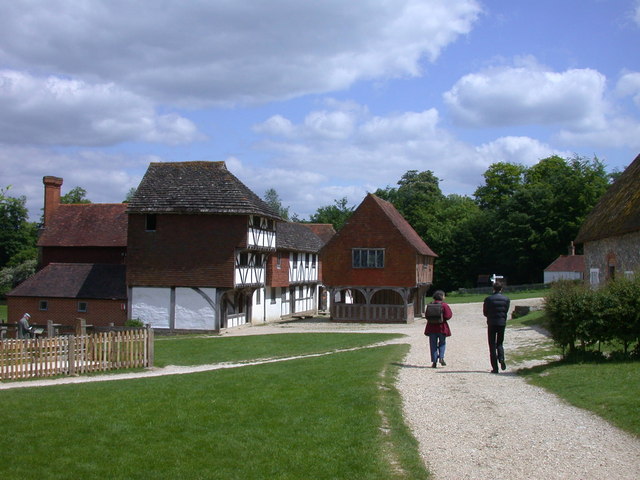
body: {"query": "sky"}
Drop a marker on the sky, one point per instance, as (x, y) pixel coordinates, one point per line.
(319, 100)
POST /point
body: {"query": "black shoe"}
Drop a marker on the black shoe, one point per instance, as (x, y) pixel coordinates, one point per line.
(434, 365)
(494, 370)
(503, 365)
(443, 363)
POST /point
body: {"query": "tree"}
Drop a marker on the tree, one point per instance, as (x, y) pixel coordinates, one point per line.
(337, 214)
(18, 237)
(502, 181)
(75, 195)
(273, 200)
(536, 213)
(130, 194)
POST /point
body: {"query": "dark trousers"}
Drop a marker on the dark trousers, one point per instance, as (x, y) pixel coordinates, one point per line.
(496, 338)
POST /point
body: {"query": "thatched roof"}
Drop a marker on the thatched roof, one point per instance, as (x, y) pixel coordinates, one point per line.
(618, 211)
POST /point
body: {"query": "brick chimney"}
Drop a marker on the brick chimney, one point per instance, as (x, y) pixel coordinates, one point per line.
(572, 248)
(51, 196)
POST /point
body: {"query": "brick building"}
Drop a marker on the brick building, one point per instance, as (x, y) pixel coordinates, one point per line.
(377, 268)
(82, 252)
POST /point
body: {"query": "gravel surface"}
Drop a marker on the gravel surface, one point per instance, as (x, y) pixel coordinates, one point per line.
(471, 424)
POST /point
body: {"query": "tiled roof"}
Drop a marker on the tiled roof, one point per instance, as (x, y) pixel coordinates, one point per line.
(75, 280)
(323, 230)
(403, 226)
(86, 225)
(567, 263)
(296, 237)
(196, 187)
(618, 211)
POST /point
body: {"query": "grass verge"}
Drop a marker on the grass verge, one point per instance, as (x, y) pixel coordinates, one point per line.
(608, 388)
(454, 297)
(315, 418)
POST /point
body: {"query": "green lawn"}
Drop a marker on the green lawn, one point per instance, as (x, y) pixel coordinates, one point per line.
(318, 417)
(200, 350)
(454, 297)
(608, 388)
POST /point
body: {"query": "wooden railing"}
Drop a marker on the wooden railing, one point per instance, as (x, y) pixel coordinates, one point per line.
(73, 355)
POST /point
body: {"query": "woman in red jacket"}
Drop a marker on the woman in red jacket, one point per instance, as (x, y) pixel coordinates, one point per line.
(438, 331)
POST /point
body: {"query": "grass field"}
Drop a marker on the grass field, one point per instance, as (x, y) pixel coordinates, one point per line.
(319, 418)
(454, 297)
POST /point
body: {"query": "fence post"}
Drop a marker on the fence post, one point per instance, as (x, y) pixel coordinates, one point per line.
(50, 329)
(71, 354)
(150, 344)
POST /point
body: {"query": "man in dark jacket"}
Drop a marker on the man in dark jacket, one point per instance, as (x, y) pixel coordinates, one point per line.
(495, 308)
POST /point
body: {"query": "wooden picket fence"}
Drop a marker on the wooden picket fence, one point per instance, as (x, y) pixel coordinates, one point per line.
(74, 355)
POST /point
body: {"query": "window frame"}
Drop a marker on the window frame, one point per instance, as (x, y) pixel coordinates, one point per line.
(368, 257)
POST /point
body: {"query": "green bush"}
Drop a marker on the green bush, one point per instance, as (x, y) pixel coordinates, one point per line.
(134, 322)
(580, 317)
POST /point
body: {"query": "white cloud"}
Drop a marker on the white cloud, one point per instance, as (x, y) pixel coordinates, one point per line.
(529, 95)
(629, 85)
(107, 178)
(636, 16)
(57, 111)
(523, 150)
(205, 53)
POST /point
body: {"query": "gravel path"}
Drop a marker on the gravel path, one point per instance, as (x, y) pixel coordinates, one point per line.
(471, 424)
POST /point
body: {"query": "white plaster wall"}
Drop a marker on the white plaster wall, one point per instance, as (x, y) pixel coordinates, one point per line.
(151, 305)
(555, 276)
(273, 309)
(193, 312)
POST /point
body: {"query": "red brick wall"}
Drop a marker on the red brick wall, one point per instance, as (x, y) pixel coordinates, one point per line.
(278, 277)
(185, 250)
(369, 228)
(65, 311)
(111, 255)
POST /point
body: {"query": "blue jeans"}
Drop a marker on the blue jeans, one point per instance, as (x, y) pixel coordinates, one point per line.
(437, 344)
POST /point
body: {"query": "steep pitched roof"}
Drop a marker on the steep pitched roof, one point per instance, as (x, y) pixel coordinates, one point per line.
(567, 263)
(296, 237)
(196, 187)
(75, 280)
(323, 230)
(402, 225)
(86, 225)
(618, 211)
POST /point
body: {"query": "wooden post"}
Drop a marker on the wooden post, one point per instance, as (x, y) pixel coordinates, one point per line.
(50, 330)
(71, 354)
(150, 343)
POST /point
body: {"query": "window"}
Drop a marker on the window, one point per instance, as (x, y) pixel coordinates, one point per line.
(295, 260)
(368, 258)
(150, 222)
(594, 276)
(274, 292)
(43, 305)
(279, 260)
(258, 297)
(82, 307)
